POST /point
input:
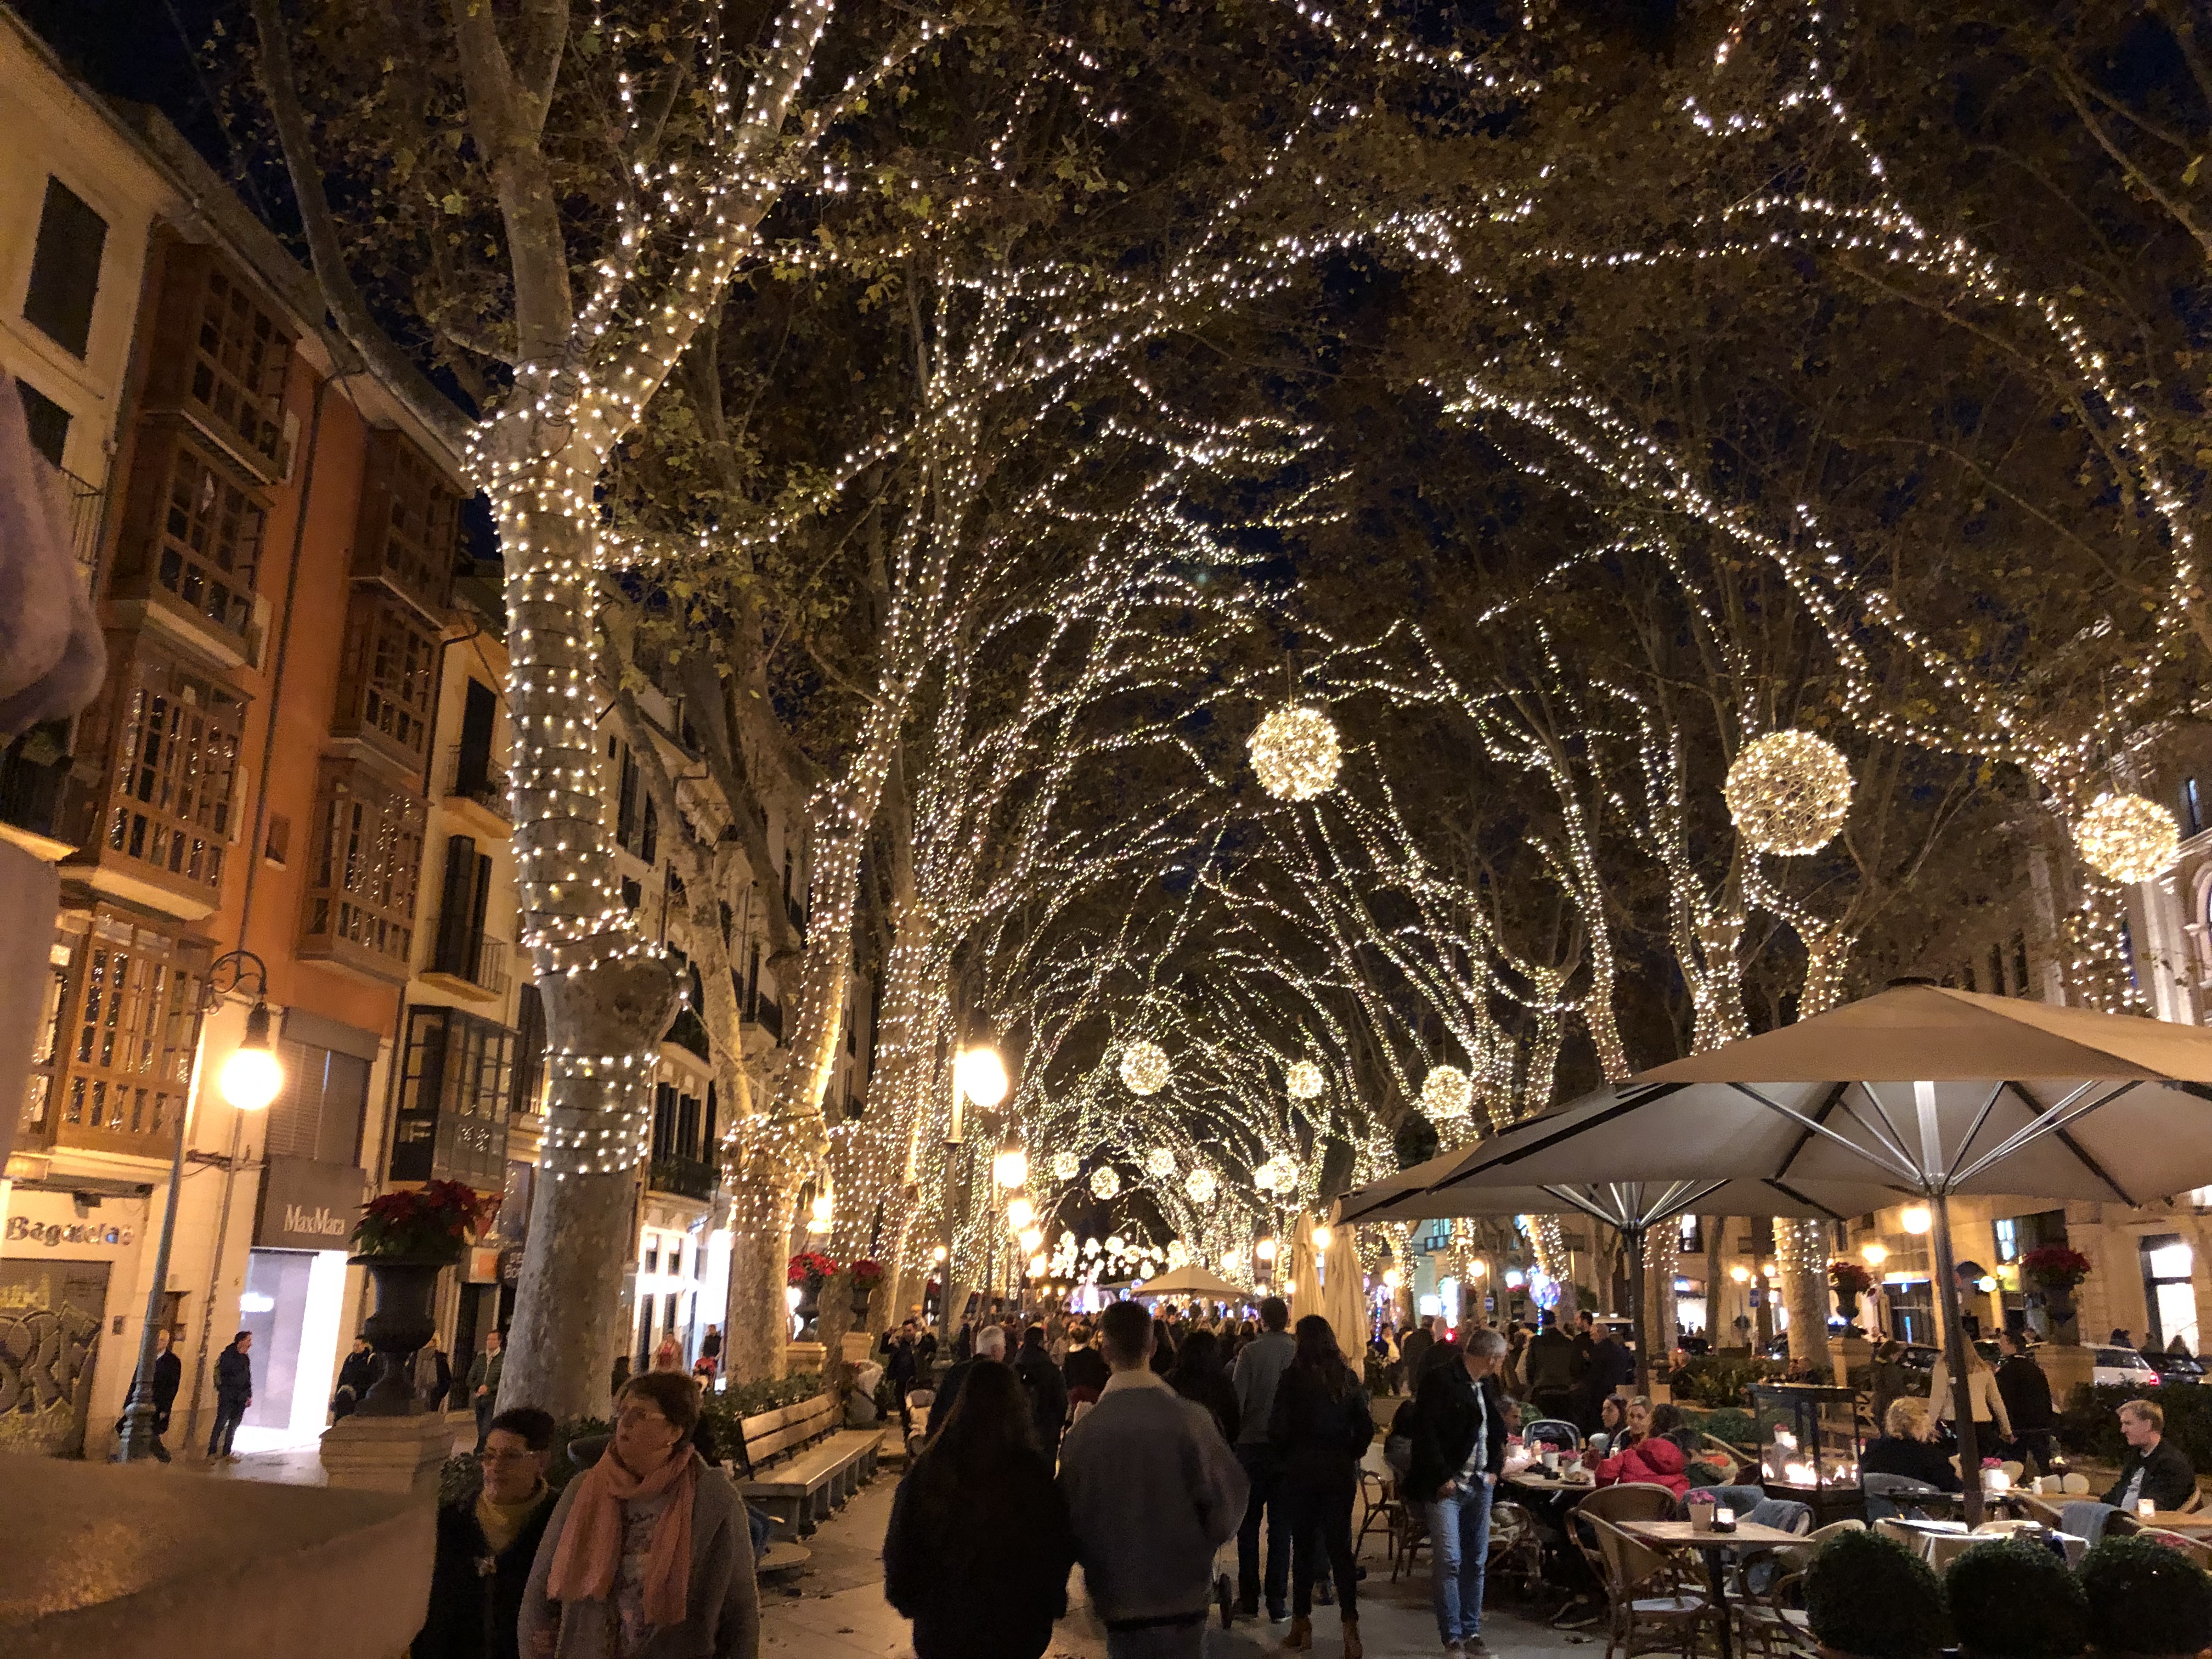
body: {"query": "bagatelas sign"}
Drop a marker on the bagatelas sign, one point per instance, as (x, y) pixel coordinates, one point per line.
(307, 1205)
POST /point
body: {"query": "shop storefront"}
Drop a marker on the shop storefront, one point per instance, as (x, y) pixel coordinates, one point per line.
(65, 1283)
(295, 1301)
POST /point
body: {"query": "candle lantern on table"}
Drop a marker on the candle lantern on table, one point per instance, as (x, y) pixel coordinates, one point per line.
(1808, 1439)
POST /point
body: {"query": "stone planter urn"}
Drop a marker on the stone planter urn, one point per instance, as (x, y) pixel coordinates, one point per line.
(405, 1319)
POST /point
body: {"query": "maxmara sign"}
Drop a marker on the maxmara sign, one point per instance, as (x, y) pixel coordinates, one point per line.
(307, 1205)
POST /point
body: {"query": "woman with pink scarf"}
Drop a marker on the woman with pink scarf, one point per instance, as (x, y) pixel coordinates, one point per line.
(647, 1555)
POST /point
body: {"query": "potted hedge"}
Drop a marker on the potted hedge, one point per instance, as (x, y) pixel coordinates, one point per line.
(1868, 1597)
(2146, 1601)
(405, 1239)
(2015, 1599)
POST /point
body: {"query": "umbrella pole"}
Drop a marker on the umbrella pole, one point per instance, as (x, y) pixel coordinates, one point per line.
(1954, 1346)
(1633, 1237)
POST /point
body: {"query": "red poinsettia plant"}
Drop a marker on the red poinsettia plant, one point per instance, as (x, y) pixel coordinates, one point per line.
(2055, 1268)
(436, 1221)
(1849, 1277)
(867, 1273)
(808, 1268)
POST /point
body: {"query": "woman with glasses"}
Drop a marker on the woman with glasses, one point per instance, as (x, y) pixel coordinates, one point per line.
(647, 1555)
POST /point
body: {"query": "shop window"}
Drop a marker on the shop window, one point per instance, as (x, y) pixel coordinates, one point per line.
(410, 524)
(172, 741)
(361, 898)
(2169, 1293)
(455, 1096)
(220, 359)
(65, 270)
(529, 1048)
(324, 1103)
(384, 689)
(130, 1020)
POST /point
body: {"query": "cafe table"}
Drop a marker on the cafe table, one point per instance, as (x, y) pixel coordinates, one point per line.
(1680, 1537)
(2194, 1523)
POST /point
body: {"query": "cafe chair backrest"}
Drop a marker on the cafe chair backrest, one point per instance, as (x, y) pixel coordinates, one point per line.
(1635, 1500)
(2074, 1484)
(1628, 1564)
(1559, 1435)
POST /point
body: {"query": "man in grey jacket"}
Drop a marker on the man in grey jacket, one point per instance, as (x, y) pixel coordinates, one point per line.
(1258, 1369)
(1153, 1491)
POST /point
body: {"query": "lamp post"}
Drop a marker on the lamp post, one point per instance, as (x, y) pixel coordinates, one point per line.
(249, 1081)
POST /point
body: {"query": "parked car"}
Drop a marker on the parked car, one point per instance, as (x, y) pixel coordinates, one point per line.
(2175, 1367)
(2124, 1366)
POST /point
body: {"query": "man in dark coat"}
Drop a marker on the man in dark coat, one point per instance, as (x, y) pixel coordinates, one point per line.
(2026, 1392)
(1610, 1366)
(900, 1365)
(2155, 1467)
(234, 1393)
(990, 1350)
(1548, 1366)
(1414, 1349)
(1046, 1388)
(356, 1375)
(486, 1543)
(168, 1373)
(1459, 1447)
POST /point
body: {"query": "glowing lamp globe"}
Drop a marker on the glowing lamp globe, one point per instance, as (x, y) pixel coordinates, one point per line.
(1789, 793)
(251, 1078)
(1295, 753)
(1322, 1237)
(980, 1076)
(1447, 1094)
(1917, 1219)
(1159, 1162)
(1201, 1185)
(1020, 1213)
(2127, 839)
(1031, 1238)
(1265, 1249)
(1105, 1182)
(1009, 1165)
(1143, 1067)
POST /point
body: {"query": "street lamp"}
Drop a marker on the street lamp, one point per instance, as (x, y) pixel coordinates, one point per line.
(1917, 1219)
(1265, 1249)
(249, 1079)
(1322, 1234)
(1020, 1212)
(1009, 1165)
(980, 1076)
(1741, 1273)
(1874, 1254)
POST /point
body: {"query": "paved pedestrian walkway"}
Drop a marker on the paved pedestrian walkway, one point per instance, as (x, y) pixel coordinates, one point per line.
(834, 1609)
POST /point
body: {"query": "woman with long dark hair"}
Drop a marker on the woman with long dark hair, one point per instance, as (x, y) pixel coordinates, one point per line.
(980, 1544)
(1322, 1423)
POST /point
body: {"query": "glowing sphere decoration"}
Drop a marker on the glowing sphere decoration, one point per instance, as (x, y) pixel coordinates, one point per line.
(1145, 1067)
(1066, 1166)
(1159, 1162)
(1295, 753)
(1105, 1182)
(1447, 1095)
(1277, 1175)
(1178, 1253)
(1789, 793)
(1201, 1185)
(2127, 838)
(1303, 1080)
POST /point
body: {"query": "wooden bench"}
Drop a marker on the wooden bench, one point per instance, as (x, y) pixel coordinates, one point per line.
(805, 1466)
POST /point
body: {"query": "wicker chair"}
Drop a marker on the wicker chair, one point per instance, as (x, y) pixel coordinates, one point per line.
(1645, 1591)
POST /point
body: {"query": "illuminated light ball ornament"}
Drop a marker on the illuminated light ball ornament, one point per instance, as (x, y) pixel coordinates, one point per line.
(2127, 839)
(1066, 1166)
(1145, 1067)
(1159, 1162)
(1277, 1175)
(1178, 1253)
(1447, 1095)
(1789, 793)
(1295, 753)
(1303, 1080)
(1105, 1183)
(1201, 1185)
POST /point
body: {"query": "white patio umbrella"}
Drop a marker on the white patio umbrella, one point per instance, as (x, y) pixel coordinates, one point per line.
(1920, 1092)
(1194, 1279)
(1633, 1207)
(1305, 1281)
(1343, 1290)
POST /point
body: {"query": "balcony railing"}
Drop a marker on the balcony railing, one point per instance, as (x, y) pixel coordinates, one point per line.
(476, 959)
(686, 1177)
(87, 505)
(485, 784)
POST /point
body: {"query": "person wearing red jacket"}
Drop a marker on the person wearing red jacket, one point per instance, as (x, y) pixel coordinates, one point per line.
(1646, 1455)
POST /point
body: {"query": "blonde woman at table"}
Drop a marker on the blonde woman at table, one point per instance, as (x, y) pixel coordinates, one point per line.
(1981, 1389)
